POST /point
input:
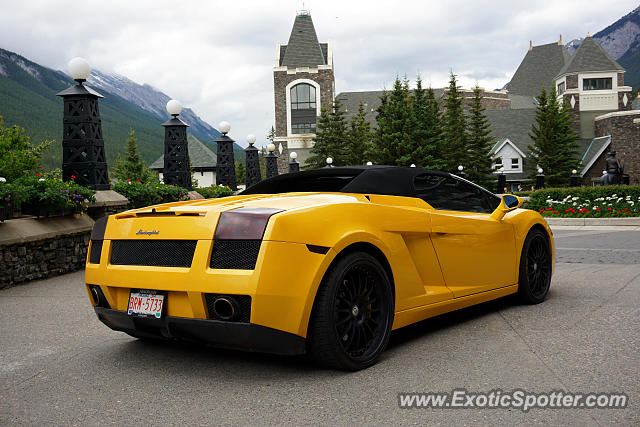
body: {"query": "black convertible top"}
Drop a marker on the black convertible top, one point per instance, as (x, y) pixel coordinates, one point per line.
(376, 179)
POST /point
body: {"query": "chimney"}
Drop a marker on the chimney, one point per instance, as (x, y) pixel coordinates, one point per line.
(560, 41)
(530, 45)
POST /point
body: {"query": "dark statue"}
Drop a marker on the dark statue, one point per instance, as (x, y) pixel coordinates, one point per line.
(614, 170)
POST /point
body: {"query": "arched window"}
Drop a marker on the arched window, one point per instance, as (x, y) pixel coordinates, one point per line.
(303, 97)
(303, 108)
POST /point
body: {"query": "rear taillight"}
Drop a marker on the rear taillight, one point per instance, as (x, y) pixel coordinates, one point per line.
(243, 223)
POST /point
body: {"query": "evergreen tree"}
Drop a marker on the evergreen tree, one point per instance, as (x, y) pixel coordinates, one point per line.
(554, 147)
(133, 166)
(241, 172)
(427, 134)
(358, 138)
(455, 150)
(393, 142)
(331, 133)
(478, 167)
(272, 134)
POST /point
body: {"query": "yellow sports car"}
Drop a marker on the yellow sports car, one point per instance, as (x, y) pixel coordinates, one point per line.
(326, 262)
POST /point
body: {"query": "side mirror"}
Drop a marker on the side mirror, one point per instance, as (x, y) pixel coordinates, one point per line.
(508, 203)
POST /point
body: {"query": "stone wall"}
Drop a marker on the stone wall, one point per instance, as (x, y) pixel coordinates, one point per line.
(621, 104)
(40, 259)
(624, 128)
(620, 79)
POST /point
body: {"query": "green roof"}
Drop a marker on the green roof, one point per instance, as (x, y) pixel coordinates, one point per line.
(201, 157)
(539, 68)
(303, 49)
(590, 56)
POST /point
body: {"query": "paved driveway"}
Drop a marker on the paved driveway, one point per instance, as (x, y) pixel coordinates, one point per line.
(59, 365)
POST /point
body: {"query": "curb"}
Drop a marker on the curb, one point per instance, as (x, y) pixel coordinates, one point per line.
(632, 222)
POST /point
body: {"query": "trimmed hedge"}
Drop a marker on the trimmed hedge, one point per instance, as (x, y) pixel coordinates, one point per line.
(578, 202)
(151, 193)
(214, 191)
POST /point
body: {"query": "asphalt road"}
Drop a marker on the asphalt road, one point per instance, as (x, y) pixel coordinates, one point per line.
(60, 366)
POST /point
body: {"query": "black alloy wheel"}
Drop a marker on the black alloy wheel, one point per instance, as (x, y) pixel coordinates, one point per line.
(353, 314)
(535, 268)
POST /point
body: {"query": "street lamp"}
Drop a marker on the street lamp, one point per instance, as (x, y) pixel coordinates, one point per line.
(540, 179)
(83, 157)
(176, 170)
(502, 181)
(413, 165)
(460, 171)
(294, 166)
(253, 162)
(574, 178)
(272, 161)
(369, 163)
(329, 162)
(225, 165)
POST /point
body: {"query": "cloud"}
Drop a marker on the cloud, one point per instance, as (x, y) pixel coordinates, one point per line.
(217, 56)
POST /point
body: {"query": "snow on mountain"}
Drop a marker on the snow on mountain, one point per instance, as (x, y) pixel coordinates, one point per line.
(149, 99)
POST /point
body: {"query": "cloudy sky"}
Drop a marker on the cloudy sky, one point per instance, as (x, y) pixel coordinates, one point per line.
(217, 56)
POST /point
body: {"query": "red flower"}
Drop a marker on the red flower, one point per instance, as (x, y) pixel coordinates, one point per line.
(609, 208)
(598, 208)
(619, 210)
(541, 210)
(73, 177)
(37, 174)
(139, 181)
(128, 179)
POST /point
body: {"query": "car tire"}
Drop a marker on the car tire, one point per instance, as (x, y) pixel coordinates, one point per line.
(535, 268)
(352, 315)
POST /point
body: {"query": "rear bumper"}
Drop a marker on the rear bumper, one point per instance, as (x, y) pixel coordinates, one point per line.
(238, 336)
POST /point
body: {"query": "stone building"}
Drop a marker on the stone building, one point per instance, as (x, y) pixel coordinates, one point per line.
(591, 82)
(303, 83)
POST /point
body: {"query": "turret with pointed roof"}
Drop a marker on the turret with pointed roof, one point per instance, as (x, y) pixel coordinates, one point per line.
(303, 83)
(539, 67)
(590, 57)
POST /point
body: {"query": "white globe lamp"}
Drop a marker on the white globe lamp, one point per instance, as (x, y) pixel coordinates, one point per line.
(224, 127)
(251, 139)
(293, 156)
(79, 69)
(271, 147)
(174, 107)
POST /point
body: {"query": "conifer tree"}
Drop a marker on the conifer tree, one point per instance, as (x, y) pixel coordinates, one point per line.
(133, 166)
(478, 167)
(426, 132)
(393, 140)
(358, 138)
(272, 134)
(331, 133)
(455, 150)
(554, 147)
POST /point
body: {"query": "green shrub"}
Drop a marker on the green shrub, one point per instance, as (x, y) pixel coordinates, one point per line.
(150, 193)
(52, 194)
(214, 191)
(602, 201)
(17, 155)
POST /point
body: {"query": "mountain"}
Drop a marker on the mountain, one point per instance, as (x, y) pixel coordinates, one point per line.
(621, 40)
(28, 99)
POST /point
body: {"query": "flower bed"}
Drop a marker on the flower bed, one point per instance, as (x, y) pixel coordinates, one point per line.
(590, 202)
(151, 193)
(38, 196)
(214, 191)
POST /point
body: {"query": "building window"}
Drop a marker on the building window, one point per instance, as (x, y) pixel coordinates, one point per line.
(561, 88)
(303, 97)
(497, 162)
(303, 108)
(596, 84)
(303, 128)
(515, 163)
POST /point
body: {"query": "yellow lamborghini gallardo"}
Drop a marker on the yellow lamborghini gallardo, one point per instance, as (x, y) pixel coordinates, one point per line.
(326, 261)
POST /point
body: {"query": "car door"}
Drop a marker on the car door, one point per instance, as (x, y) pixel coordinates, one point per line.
(476, 254)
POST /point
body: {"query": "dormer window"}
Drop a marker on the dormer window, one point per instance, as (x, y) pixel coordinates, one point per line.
(597, 84)
(303, 108)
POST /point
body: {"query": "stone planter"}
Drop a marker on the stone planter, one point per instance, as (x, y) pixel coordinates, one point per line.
(44, 210)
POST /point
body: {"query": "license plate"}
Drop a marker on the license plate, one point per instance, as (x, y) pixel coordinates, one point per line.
(145, 303)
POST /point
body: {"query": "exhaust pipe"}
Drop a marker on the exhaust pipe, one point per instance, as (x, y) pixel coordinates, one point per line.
(225, 308)
(95, 295)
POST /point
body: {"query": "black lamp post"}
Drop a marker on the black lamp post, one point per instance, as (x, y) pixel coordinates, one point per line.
(540, 179)
(253, 162)
(272, 161)
(461, 173)
(574, 180)
(294, 166)
(502, 181)
(83, 158)
(225, 167)
(176, 170)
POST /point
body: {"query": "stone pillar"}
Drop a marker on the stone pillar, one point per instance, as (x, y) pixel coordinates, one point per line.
(253, 164)
(226, 167)
(177, 170)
